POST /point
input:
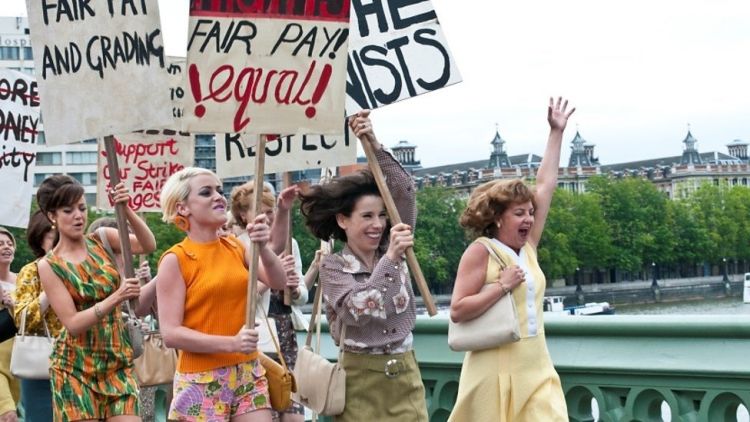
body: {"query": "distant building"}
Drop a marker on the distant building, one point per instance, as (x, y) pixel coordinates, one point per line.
(677, 176)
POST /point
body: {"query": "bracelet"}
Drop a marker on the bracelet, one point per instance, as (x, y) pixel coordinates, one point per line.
(505, 289)
(98, 311)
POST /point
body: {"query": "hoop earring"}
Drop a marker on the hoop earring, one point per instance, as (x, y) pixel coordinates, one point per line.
(181, 223)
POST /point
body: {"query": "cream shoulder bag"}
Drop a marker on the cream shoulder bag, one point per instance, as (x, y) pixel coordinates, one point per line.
(495, 327)
(321, 385)
(30, 356)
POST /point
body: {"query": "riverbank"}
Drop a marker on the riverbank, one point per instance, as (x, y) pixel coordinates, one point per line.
(638, 292)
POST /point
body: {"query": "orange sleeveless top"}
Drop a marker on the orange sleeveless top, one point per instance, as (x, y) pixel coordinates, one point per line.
(215, 297)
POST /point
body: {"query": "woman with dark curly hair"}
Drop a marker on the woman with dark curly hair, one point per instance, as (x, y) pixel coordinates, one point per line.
(367, 292)
(515, 381)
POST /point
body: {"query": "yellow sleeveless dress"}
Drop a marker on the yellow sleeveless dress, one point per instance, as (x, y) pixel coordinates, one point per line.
(516, 381)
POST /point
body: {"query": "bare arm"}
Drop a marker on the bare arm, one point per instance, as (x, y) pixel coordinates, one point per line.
(78, 322)
(468, 300)
(171, 297)
(546, 180)
(281, 221)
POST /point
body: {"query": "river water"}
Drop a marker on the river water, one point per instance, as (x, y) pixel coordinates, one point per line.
(724, 306)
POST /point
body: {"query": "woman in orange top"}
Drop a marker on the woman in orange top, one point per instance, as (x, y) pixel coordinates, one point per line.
(202, 294)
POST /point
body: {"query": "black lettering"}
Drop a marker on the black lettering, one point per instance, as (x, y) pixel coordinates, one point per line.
(231, 139)
(379, 94)
(400, 22)
(305, 146)
(446, 75)
(396, 46)
(374, 8)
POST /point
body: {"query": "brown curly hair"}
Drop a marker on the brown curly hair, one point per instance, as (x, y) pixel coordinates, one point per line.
(489, 201)
(321, 203)
(242, 197)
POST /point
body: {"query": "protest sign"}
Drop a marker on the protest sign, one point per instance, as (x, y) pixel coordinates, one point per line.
(235, 158)
(19, 130)
(100, 67)
(397, 50)
(176, 72)
(146, 159)
(267, 66)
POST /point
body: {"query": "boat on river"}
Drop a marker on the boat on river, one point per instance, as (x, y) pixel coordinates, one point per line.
(554, 304)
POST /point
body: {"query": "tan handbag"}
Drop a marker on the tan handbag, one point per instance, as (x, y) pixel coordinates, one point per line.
(158, 362)
(321, 385)
(498, 325)
(29, 358)
(281, 383)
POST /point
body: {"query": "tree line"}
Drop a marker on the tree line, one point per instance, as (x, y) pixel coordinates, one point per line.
(619, 229)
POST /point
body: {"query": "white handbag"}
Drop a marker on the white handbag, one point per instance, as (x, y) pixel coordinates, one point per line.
(31, 354)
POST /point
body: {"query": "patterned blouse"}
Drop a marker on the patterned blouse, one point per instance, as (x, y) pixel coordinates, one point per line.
(28, 290)
(377, 307)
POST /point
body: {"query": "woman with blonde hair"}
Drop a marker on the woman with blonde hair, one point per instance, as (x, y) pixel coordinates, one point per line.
(272, 300)
(202, 295)
(515, 381)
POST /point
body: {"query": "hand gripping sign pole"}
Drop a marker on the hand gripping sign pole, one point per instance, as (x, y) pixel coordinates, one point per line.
(252, 277)
(390, 206)
(288, 246)
(122, 222)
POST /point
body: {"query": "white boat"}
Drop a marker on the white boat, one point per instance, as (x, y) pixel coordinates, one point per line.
(554, 304)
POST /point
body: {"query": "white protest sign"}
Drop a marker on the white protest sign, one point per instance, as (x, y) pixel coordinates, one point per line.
(146, 161)
(266, 67)
(397, 50)
(234, 158)
(19, 128)
(176, 71)
(100, 67)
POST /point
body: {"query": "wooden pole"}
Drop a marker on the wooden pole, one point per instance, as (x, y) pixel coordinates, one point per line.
(288, 246)
(252, 277)
(122, 222)
(390, 206)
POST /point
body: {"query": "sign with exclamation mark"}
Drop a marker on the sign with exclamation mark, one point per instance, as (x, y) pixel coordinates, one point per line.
(267, 68)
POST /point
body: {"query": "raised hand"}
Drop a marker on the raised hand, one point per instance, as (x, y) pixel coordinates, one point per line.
(401, 239)
(361, 125)
(287, 197)
(557, 115)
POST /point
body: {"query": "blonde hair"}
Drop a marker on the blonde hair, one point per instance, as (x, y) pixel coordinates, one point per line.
(177, 189)
(489, 201)
(7, 232)
(242, 197)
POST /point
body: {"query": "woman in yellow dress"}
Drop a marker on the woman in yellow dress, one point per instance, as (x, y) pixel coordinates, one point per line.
(515, 381)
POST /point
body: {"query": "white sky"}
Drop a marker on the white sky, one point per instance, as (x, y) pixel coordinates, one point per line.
(637, 71)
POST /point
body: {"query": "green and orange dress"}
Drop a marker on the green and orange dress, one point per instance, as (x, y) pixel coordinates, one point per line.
(92, 373)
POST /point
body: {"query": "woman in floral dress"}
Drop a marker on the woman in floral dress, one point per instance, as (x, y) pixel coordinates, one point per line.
(368, 297)
(91, 367)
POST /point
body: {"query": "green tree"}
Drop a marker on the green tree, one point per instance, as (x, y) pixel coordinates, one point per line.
(556, 256)
(439, 241)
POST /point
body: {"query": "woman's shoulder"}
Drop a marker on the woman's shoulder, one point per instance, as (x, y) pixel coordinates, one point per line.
(28, 272)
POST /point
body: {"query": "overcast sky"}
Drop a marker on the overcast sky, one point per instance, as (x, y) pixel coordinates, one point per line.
(638, 72)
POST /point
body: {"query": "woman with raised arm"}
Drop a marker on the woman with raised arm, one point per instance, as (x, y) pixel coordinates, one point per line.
(202, 295)
(515, 381)
(91, 367)
(36, 395)
(367, 292)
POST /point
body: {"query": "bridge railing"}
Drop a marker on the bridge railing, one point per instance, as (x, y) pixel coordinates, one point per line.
(693, 367)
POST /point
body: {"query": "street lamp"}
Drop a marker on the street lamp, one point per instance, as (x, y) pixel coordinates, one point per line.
(725, 279)
(653, 275)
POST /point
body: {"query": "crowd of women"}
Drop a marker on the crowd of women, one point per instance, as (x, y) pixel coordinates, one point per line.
(76, 290)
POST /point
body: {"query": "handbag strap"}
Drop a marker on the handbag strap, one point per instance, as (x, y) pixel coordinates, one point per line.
(22, 331)
(273, 337)
(493, 254)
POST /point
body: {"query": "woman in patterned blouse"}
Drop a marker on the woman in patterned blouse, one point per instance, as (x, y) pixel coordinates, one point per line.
(368, 297)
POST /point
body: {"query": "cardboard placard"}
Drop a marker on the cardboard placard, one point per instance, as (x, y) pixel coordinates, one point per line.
(266, 67)
(100, 66)
(397, 51)
(19, 130)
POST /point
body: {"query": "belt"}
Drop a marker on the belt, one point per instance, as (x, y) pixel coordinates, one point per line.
(390, 365)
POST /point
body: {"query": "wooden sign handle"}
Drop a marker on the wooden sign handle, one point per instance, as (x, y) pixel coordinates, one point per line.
(122, 222)
(390, 206)
(252, 276)
(288, 246)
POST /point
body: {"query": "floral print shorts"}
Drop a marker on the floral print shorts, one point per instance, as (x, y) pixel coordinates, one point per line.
(220, 394)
